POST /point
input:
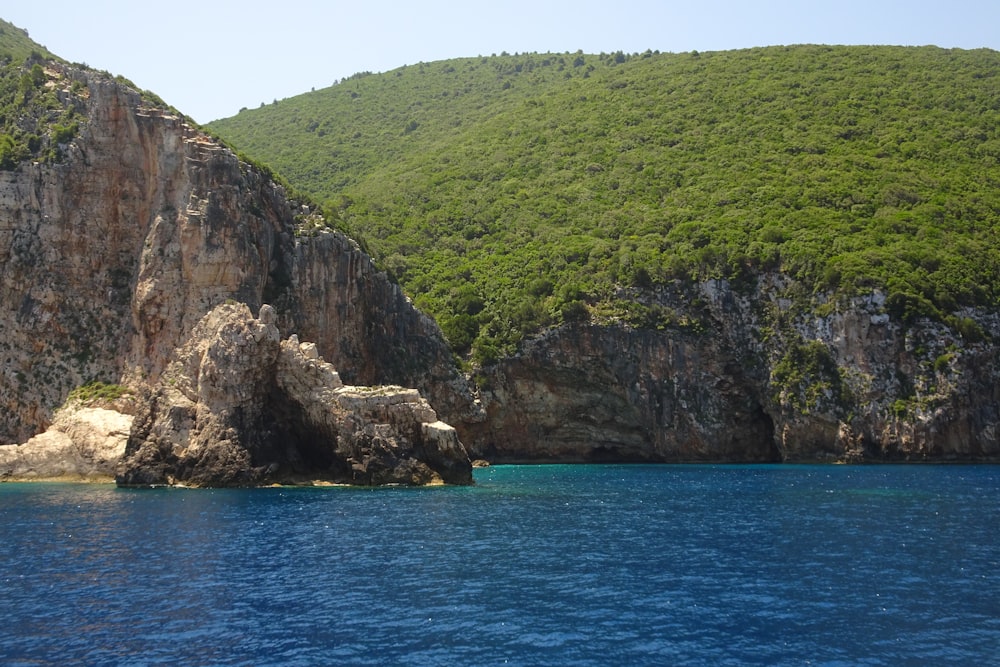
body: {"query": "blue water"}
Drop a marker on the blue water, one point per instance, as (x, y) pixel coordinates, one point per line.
(546, 565)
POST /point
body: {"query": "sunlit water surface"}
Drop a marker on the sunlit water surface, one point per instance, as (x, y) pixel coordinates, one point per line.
(547, 565)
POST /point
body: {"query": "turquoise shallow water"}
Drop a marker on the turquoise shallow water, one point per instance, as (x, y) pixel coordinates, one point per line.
(545, 565)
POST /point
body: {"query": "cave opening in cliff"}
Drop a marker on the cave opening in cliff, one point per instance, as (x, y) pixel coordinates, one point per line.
(300, 448)
(769, 445)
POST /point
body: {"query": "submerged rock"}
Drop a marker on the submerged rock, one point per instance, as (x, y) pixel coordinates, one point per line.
(240, 407)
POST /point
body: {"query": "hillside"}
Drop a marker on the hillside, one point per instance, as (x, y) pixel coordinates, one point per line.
(508, 193)
(16, 45)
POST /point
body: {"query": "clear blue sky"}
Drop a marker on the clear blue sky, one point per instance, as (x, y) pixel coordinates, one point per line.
(210, 58)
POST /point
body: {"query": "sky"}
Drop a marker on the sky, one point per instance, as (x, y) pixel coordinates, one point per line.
(210, 58)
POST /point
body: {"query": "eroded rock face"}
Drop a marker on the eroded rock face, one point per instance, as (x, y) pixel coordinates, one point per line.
(240, 407)
(731, 375)
(611, 393)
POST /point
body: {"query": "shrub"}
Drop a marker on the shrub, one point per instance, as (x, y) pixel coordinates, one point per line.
(575, 311)
(63, 134)
(10, 152)
(460, 331)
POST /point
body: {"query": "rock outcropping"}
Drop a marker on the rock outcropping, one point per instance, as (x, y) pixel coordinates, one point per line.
(240, 407)
(82, 444)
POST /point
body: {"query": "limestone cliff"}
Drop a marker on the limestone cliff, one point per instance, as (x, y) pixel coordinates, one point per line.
(239, 407)
(110, 257)
(612, 393)
(748, 375)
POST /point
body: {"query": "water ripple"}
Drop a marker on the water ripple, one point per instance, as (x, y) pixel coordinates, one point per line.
(586, 565)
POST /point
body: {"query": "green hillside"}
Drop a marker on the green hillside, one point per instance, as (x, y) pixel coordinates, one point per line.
(509, 193)
(16, 46)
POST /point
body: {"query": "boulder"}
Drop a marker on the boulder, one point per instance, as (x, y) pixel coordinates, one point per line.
(82, 444)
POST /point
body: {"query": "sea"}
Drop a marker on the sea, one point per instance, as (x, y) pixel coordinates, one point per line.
(534, 565)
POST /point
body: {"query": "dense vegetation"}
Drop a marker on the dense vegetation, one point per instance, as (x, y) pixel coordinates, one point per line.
(510, 192)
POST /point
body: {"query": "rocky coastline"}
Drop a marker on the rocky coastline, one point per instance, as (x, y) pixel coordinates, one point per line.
(113, 255)
(139, 258)
(732, 374)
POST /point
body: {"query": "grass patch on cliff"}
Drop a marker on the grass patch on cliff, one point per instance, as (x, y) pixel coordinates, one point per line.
(97, 391)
